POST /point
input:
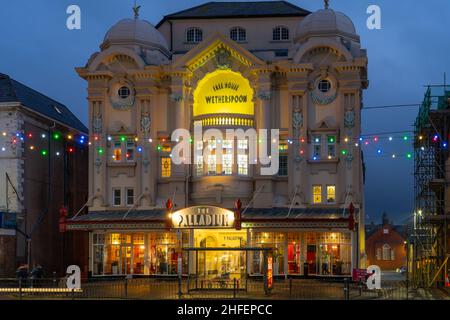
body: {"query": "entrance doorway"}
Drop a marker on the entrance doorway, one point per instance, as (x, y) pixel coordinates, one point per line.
(219, 267)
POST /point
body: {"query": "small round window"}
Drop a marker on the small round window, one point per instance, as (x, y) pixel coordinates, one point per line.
(324, 86)
(124, 92)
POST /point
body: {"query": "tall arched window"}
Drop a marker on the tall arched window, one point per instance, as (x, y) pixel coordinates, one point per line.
(280, 33)
(386, 252)
(238, 34)
(194, 35)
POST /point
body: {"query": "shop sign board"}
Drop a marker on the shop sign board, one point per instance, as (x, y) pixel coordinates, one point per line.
(203, 217)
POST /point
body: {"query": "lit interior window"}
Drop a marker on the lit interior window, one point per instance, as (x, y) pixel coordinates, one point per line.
(130, 150)
(165, 167)
(242, 164)
(227, 164)
(331, 194)
(317, 194)
(212, 163)
(227, 144)
(117, 151)
(242, 144)
(199, 165)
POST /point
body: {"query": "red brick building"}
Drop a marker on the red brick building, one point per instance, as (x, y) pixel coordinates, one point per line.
(385, 245)
(43, 167)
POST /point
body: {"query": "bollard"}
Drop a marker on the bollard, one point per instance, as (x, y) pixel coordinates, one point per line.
(290, 287)
(346, 289)
(20, 288)
(180, 293)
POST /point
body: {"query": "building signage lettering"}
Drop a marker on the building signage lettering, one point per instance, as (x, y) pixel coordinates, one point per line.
(203, 217)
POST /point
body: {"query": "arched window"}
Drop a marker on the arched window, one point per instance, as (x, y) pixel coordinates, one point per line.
(194, 35)
(280, 33)
(238, 34)
(386, 252)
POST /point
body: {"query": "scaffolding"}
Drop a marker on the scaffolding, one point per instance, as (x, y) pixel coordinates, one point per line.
(431, 187)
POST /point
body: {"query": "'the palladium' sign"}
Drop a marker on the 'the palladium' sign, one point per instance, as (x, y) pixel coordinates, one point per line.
(203, 217)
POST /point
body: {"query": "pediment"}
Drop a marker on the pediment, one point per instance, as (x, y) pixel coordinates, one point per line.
(217, 48)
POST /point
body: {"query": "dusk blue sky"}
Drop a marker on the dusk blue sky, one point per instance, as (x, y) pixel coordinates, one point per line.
(411, 50)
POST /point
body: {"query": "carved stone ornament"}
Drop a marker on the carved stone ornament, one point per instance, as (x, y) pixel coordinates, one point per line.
(297, 119)
(349, 119)
(145, 122)
(264, 95)
(176, 97)
(223, 59)
(97, 123)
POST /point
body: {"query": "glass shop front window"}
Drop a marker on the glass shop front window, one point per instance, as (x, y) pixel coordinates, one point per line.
(220, 264)
(137, 253)
(274, 240)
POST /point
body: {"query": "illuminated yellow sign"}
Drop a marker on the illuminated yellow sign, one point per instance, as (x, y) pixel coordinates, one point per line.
(221, 92)
(203, 217)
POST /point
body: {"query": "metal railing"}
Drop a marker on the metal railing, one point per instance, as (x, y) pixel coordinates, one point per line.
(154, 289)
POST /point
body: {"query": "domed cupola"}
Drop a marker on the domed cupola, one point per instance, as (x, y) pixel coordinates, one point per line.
(326, 22)
(139, 34)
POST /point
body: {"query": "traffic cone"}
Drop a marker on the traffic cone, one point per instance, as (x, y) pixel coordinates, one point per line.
(447, 283)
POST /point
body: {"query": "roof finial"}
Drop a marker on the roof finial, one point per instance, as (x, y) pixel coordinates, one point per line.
(136, 10)
(327, 3)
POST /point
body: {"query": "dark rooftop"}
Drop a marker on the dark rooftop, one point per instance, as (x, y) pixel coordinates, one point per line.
(14, 91)
(247, 9)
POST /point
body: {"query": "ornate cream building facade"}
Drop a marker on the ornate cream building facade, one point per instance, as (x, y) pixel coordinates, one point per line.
(261, 65)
